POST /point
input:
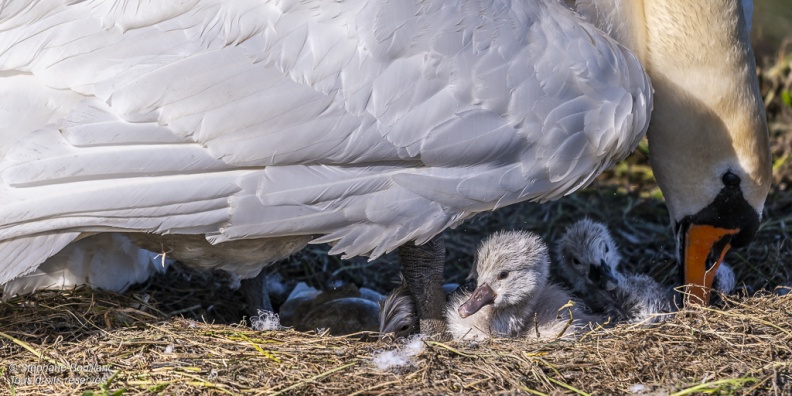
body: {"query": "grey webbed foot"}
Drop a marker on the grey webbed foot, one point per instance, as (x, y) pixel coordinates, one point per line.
(255, 291)
(422, 267)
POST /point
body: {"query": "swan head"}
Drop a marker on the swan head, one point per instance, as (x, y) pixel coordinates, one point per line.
(708, 140)
(588, 257)
(510, 269)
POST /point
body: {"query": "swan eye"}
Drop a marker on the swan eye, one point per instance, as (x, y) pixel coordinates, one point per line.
(404, 328)
(503, 275)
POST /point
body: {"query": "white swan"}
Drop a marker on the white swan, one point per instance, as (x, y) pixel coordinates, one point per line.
(514, 296)
(241, 130)
(104, 261)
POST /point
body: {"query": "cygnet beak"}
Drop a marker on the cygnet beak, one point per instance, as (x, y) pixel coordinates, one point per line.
(609, 281)
(482, 296)
(602, 276)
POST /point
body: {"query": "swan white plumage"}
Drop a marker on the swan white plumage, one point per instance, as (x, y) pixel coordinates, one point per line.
(363, 123)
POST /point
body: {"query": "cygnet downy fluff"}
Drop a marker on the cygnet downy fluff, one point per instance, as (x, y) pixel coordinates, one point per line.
(588, 261)
(514, 297)
(398, 317)
(342, 310)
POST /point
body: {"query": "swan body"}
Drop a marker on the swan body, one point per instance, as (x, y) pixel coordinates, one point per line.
(232, 133)
(364, 123)
(514, 296)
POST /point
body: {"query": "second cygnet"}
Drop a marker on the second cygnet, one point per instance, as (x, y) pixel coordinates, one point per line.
(588, 261)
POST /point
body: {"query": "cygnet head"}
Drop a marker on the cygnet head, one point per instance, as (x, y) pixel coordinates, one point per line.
(588, 257)
(511, 268)
(398, 315)
(725, 280)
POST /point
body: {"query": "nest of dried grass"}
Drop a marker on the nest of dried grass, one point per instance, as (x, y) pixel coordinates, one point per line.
(116, 344)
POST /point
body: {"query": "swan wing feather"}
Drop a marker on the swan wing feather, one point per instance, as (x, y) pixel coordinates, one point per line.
(368, 123)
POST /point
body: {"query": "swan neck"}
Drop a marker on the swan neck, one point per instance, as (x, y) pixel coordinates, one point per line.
(708, 116)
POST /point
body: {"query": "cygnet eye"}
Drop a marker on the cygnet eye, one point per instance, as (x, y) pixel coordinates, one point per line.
(575, 261)
(503, 275)
(606, 249)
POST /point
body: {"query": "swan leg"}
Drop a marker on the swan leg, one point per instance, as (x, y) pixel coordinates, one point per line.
(255, 291)
(422, 267)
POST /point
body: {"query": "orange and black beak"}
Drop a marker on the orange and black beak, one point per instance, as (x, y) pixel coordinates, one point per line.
(704, 237)
(703, 248)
